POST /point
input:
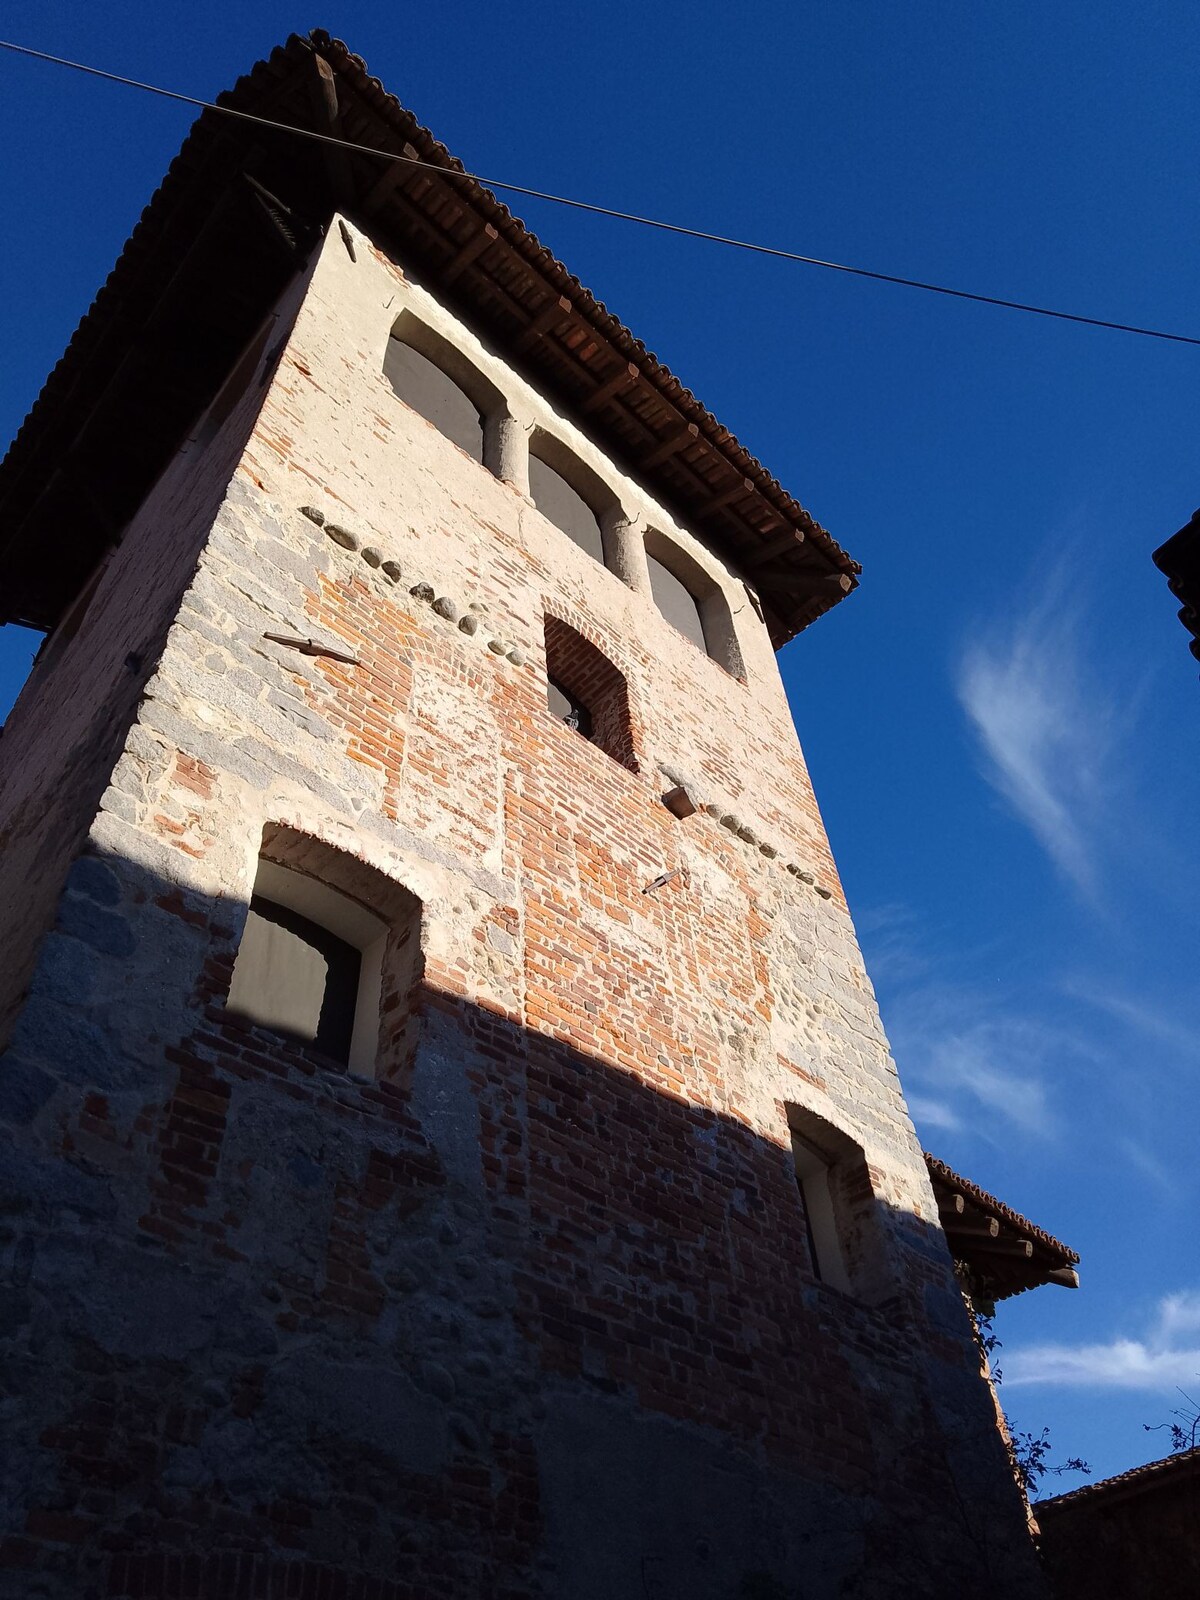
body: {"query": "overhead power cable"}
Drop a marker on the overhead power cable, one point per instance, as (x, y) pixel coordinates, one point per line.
(603, 211)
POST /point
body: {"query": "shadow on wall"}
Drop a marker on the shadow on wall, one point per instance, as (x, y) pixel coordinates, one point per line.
(507, 1324)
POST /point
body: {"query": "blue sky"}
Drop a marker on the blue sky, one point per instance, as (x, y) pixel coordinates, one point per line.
(1003, 723)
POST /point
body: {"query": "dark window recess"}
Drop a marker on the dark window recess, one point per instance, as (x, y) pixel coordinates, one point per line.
(562, 504)
(821, 1185)
(296, 978)
(568, 709)
(676, 602)
(422, 384)
(585, 690)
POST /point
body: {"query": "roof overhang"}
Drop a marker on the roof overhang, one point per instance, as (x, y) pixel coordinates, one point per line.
(1000, 1252)
(236, 215)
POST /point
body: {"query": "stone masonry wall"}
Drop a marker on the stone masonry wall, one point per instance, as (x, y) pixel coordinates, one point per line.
(64, 735)
(532, 1312)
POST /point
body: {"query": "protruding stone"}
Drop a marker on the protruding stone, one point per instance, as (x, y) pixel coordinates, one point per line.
(826, 894)
(313, 515)
(516, 656)
(342, 536)
(422, 591)
(679, 802)
(444, 607)
(730, 821)
(437, 1380)
(497, 647)
(747, 834)
(713, 809)
(469, 623)
(392, 571)
(768, 850)
(805, 877)
(373, 557)
(464, 1430)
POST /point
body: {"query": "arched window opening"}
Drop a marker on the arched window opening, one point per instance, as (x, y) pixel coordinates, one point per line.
(587, 693)
(676, 602)
(814, 1175)
(839, 1206)
(435, 379)
(567, 494)
(329, 955)
(693, 602)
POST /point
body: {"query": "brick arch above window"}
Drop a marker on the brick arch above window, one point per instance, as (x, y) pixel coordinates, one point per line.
(588, 692)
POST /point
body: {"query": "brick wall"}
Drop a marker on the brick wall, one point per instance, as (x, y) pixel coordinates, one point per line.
(531, 1312)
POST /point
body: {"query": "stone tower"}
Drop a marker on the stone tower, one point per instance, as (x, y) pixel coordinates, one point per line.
(452, 1147)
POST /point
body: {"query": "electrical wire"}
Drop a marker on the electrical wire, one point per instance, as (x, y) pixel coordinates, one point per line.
(603, 211)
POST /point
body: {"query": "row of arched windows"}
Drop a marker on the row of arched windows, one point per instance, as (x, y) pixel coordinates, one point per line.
(436, 380)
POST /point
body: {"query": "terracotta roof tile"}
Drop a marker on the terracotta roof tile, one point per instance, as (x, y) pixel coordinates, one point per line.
(1137, 1479)
(938, 1170)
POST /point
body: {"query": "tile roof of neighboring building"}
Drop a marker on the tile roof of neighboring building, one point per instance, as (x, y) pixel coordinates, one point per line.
(212, 251)
(1138, 1480)
(1003, 1251)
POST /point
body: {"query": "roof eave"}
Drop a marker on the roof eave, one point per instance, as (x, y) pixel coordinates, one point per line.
(508, 286)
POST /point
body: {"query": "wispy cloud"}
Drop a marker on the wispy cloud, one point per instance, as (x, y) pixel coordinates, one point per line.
(1044, 725)
(1166, 1356)
(971, 1066)
(927, 1112)
(892, 943)
(1155, 1021)
(1152, 1168)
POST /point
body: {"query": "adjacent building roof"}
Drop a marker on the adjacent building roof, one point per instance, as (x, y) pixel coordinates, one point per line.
(1153, 1478)
(1179, 558)
(235, 218)
(1002, 1252)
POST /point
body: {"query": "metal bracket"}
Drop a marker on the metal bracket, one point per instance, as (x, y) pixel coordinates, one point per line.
(311, 647)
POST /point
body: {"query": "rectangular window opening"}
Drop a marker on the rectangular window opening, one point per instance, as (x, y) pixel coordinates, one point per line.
(310, 967)
(815, 1177)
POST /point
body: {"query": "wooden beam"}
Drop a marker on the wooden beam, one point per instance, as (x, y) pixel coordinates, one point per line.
(475, 246)
(816, 583)
(988, 1228)
(624, 378)
(1066, 1276)
(778, 546)
(735, 491)
(393, 174)
(1007, 1247)
(950, 1205)
(553, 311)
(324, 98)
(670, 446)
